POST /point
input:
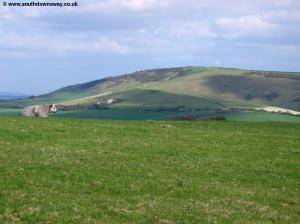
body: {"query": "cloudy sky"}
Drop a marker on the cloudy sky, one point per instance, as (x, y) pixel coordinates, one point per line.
(42, 49)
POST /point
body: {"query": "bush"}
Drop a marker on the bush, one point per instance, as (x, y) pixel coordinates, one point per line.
(185, 118)
(217, 118)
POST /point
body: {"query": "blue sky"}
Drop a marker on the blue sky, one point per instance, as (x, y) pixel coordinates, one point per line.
(42, 49)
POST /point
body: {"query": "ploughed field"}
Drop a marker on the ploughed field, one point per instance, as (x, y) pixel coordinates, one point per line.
(92, 171)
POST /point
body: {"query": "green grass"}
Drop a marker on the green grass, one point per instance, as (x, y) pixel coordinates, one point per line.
(261, 116)
(142, 114)
(125, 114)
(88, 171)
(155, 98)
(9, 111)
(117, 114)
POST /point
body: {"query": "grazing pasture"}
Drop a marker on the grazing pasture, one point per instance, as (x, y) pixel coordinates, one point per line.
(93, 171)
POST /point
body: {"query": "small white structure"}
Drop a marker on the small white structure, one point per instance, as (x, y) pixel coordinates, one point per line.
(111, 101)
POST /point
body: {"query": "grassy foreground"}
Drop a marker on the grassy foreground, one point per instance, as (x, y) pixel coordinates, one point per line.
(88, 171)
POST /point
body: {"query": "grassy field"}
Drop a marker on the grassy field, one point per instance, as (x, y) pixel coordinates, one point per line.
(88, 171)
(135, 114)
(117, 114)
(261, 116)
(129, 114)
(9, 111)
(142, 114)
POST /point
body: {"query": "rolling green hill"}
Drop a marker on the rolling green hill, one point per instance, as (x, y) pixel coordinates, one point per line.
(178, 89)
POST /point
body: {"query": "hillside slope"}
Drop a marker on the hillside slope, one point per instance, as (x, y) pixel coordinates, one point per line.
(191, 88)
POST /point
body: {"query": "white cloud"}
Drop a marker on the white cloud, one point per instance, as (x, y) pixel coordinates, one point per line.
(192, 29)
(5, 14)
(289, 48)
(245, 25)
(132, 5)
(62, 43)
(100, 44)
(163, 27)
(282, 15)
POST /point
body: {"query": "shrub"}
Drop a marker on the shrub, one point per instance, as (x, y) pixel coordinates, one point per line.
(185, 118)
(217, 118)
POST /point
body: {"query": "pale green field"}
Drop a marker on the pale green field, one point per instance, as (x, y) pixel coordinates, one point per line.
(139, 114)
(9, 111)
(261, 116)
